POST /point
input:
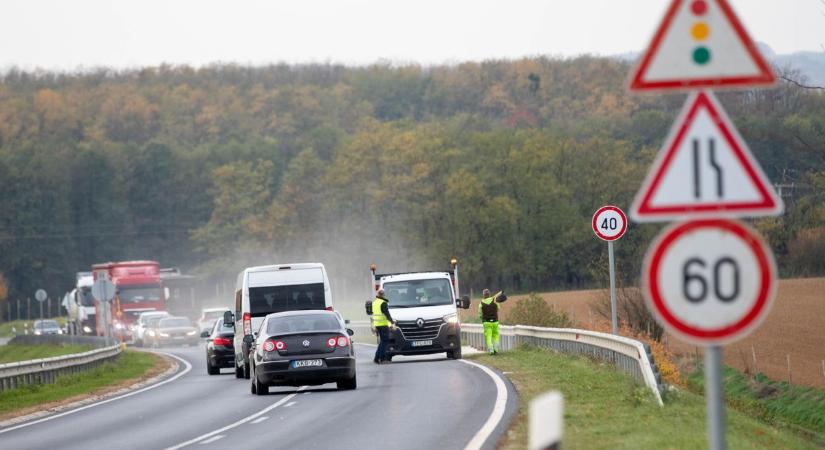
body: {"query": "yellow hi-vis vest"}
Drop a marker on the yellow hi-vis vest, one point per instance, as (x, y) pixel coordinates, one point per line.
(378, 317)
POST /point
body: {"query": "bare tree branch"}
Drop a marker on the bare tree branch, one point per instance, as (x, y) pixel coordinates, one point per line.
(803, 86)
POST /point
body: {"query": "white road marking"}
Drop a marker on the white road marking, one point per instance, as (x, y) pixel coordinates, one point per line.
(212, 439)
(238, 423)
(260, 419)
(498, 409)
(289, 404)
(187, 368)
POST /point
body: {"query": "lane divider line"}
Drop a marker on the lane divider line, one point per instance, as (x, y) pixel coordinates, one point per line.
(289, 404)
(260, 419)
(498, 409)
(212, 439)
(238, 423)
(187, 368)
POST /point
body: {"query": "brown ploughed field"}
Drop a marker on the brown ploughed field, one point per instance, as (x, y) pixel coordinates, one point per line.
(795, 329)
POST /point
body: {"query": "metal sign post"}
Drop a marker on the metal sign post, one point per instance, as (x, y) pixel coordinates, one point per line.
(713, 395)
(609, 224)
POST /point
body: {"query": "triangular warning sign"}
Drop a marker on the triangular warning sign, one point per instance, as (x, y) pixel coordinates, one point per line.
(705, 169)
(700, 43)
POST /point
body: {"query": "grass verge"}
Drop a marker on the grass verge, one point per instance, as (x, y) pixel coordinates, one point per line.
(18, 352)
(129, 367)
(775, 402)
(605, 408)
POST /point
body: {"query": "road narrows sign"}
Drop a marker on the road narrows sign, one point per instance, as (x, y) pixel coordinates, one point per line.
(704, 169)
(609, 223)
(700, 43)
(709, 281)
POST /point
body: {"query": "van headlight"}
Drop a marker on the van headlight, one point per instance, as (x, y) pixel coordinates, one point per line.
(451, 318)
(150, 333)
(87, 329)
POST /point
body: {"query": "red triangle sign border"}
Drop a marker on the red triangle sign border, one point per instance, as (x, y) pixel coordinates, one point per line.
(769, 204)
(766, 76)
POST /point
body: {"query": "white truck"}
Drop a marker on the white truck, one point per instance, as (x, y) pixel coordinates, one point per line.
(424, 306)
(80, 305)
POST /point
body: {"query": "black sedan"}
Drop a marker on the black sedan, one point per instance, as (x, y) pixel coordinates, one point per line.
(299, 348)
(219, 348)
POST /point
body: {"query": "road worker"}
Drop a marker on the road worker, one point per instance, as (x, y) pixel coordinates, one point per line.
(488, 313)
(381, 323)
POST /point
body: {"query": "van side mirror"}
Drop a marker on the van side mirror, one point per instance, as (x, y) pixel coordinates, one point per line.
(229, 319)
(465, 302)
(346, 321)
(205, 334)
(350, 332)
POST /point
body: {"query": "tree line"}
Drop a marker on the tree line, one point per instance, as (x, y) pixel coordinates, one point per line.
(500, 163)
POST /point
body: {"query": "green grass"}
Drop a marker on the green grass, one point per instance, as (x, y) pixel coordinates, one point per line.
(605, 408)
(5, 327)
(774, 402)
(129, 365)
(19, 352)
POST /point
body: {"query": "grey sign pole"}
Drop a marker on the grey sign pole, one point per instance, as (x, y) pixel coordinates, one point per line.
(714, 396)
(614, 319)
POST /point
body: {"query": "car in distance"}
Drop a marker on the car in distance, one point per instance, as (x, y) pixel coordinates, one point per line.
(219, 347)
(142, 325)
(299, 348)
(174, 331)
(208, 318)
(42, 327)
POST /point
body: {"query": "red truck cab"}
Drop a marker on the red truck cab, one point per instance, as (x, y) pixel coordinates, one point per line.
(138, 289)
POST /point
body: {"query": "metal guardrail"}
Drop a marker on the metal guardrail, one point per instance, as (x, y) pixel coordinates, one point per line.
(46, 370)
(628, 355)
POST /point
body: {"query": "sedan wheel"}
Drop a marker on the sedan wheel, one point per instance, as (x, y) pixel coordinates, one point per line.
(257, 387)
(210, 369)
(348, 385)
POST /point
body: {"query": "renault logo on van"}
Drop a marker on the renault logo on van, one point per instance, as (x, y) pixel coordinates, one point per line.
(420, 322)
(305, 343)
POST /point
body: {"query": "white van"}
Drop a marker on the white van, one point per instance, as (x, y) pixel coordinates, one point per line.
(265, 290)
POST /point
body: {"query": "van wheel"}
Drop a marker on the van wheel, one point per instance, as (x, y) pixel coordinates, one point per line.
(455, 354)
(347, 385)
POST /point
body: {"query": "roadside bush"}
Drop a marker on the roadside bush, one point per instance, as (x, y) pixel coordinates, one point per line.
(805, 253)
(632, 312)
(534, 311)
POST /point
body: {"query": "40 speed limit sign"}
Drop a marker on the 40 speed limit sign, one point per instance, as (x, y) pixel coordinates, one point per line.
(609, 223)
(709, 281)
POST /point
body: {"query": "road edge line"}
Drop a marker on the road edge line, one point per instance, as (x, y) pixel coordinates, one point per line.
(187, 368)
(496, 415)
(237, 423)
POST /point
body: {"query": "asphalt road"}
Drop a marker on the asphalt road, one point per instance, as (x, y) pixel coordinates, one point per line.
(413, 403)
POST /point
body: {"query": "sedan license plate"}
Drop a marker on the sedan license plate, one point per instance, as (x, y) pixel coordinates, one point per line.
(422, 343)
(177, 337)
(308, 363)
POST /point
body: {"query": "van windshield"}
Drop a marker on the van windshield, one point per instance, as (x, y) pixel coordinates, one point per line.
(407, 294)
(269, 299)
(86, 298)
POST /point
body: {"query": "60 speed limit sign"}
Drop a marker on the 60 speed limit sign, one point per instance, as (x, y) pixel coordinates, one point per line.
(709, 281)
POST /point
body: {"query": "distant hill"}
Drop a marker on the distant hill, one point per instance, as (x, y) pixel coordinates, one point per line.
(810, 64)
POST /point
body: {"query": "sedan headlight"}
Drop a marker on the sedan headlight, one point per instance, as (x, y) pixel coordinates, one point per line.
(150, 333)
(87, 329)
(164, 334)
(118, 326)
(451, 318)
(37, 332)
(191, 333)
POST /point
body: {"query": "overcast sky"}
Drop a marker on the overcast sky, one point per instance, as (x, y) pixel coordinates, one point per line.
(64, 34)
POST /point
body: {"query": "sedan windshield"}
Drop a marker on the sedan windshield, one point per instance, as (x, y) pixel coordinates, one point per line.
(303, 323)
(406, 294)
(175, 322)
(47, 324)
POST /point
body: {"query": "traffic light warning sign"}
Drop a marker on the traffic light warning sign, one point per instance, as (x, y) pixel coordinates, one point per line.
(700, 43)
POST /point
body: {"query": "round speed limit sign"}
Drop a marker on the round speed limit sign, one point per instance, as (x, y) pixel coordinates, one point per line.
(709, 281)
(609, 223)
